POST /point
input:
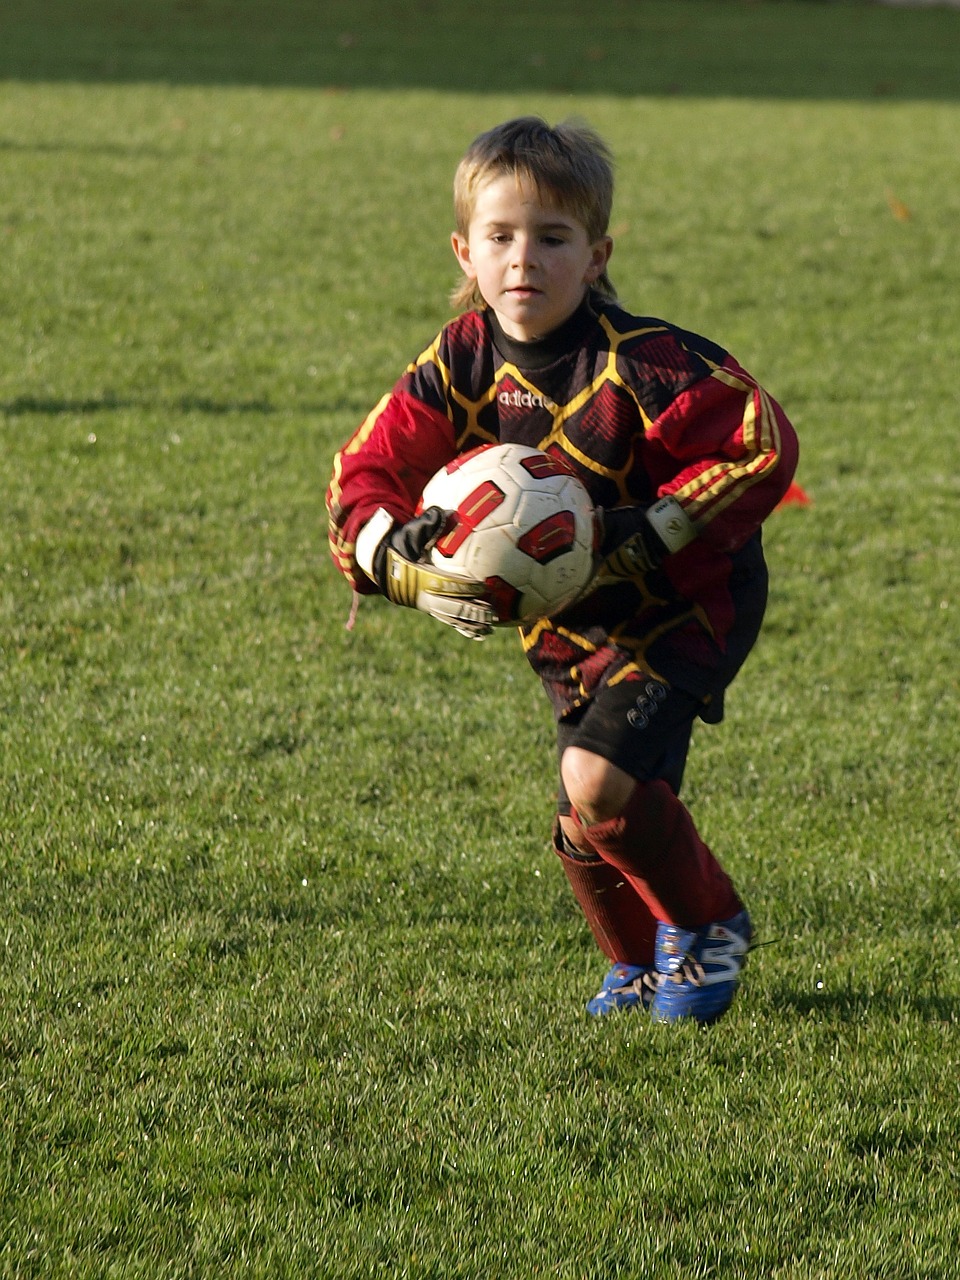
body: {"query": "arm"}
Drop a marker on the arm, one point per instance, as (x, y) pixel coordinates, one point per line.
(376, 540)
(385, 464)
(737, 454)
(725, 451)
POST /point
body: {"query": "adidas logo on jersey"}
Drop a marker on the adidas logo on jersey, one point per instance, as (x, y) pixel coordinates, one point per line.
(526, 400)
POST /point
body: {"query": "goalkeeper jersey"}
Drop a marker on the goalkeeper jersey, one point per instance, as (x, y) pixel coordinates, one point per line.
(639, 409)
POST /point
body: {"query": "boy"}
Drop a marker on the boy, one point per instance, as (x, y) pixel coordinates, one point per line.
(684, 456)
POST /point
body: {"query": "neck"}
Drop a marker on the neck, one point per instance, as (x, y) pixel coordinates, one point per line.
(537, 353)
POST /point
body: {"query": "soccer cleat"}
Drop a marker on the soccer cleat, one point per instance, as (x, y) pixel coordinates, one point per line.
(698, 970)
(626, 986)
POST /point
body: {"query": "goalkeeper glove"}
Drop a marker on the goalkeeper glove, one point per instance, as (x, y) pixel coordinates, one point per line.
(634, 540)
(392, 556)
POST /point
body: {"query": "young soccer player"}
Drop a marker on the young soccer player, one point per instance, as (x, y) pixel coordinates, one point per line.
(684, 455)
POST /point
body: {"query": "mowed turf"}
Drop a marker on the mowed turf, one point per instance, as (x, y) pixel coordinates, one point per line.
(292, 984)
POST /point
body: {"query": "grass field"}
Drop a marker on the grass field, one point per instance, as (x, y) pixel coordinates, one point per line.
(291, 982)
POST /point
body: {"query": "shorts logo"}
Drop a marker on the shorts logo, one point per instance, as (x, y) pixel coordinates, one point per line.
(647, 704)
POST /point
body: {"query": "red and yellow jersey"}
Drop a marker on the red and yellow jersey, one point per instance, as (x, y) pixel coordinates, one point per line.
(639, 409)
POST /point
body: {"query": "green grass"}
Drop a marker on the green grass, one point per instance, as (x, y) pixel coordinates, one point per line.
(291, 983)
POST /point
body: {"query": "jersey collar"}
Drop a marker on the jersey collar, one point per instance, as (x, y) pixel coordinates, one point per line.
(542, 352)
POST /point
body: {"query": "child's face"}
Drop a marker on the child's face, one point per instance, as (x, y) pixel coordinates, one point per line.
(532, 261)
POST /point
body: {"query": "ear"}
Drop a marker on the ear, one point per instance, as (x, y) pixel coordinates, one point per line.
(461, 249)
(599, 257)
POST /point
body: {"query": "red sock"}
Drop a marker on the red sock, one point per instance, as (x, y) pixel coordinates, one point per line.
(655, 844)
(618, 917)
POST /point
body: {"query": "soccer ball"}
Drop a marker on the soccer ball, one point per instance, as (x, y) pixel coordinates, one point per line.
(523, 525)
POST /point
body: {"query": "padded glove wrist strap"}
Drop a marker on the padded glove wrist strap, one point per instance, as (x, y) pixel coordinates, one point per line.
(671, 524)
(369, 539)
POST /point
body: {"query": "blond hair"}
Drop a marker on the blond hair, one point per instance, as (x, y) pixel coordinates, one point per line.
(568, 162)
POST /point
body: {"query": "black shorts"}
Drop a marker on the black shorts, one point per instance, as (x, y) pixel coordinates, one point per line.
(644, 726)
(641, 726)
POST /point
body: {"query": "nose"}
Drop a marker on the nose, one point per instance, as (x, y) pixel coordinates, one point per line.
(524, 252)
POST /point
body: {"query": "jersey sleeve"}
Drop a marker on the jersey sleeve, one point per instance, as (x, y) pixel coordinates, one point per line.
(725, 449)
(402, 442)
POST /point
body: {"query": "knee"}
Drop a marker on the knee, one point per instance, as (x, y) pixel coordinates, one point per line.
(597, 789)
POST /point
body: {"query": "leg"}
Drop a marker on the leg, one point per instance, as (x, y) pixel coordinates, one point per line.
(643, 829)
(619, 920)
(620, 780)
(618, 917)
(621, 766)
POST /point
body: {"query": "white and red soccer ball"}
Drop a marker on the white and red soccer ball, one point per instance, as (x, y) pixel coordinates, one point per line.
(523, 525)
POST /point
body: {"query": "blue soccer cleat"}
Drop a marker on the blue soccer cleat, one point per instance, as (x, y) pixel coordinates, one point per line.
(698, 970)
(626, 986)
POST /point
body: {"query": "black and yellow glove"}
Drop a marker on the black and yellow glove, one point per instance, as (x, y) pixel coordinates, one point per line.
(392, 556)
(634, 540)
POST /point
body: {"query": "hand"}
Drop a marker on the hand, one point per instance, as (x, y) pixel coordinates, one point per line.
(634, 540)
(393, 556)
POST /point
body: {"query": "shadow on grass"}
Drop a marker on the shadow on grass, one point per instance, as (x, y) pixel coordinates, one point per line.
(82, 406)
(698, 48)
(853, 1005)
(54, 407)
(76, 148)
